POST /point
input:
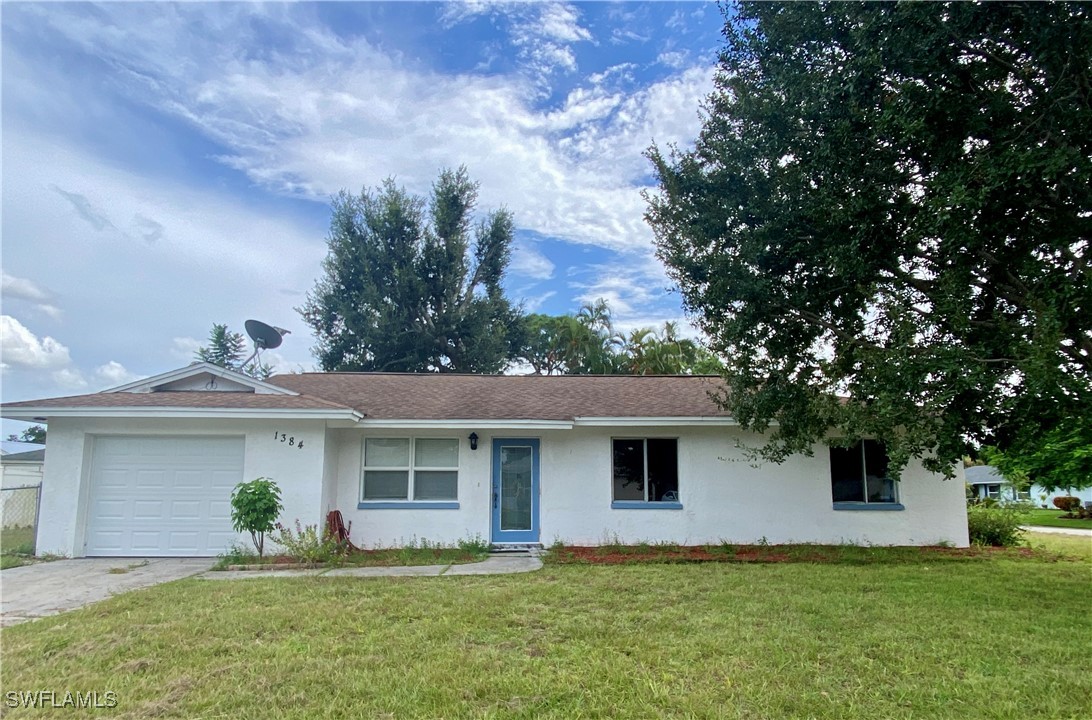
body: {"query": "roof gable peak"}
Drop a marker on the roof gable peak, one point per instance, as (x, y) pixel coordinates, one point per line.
(201, 377)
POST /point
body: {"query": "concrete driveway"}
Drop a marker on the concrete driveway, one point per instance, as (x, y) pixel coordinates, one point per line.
(49, 588)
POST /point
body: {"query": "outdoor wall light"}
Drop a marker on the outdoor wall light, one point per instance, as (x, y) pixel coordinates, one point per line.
(473, 441)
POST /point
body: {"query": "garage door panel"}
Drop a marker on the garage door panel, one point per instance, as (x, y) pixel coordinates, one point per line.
(110, 509)
(224, 481)
(192, 479)
(112, 478)
(220, 509)
(163, 495)
(151, 480)
(147, 509)
(186, 510)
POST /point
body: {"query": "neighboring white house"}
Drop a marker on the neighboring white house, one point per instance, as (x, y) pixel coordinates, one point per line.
(147, 468)
(16, 447)
(986, 482)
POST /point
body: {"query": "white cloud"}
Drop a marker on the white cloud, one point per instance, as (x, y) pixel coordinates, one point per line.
(529, 262)
(69, 379)
(676, 59)
(339, 113)
(21, 348)
(114, 373)
(542, 32)
(534, 304)
(185, 348)
(24, 289)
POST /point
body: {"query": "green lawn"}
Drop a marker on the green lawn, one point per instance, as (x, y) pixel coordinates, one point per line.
(17, 541)
(1054, 518)
(998, 635)
(1070, 545)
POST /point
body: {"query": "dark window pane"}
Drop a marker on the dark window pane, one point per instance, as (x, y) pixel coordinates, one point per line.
(875, 459)
(845, 474)
(386, 484)
(881, 488)
(629, 470)
(435, 485)
(663, 470)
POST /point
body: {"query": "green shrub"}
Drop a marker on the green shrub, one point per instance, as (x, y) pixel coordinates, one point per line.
(996, 526)
(255, 506)
(236, 555)
(305, 543)
(1068, 503)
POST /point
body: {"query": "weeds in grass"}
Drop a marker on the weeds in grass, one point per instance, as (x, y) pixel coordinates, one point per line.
(127, 568)
(475, 545)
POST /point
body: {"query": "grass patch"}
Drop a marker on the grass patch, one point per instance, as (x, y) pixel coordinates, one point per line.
(1055, 518)
(1071, 546)
(17, 541)
(995, 635)
(11, 561)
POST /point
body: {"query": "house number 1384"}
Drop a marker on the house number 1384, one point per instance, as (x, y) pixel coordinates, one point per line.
(289, 439)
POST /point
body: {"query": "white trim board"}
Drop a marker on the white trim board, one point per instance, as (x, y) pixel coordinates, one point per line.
(40, 414)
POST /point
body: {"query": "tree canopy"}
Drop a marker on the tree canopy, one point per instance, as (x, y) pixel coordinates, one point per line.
(402, 288)
(588, 343)
(891, 201)
(32, 434)
(226, 349)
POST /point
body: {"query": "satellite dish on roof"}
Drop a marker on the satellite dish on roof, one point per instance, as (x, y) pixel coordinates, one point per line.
(265, 337)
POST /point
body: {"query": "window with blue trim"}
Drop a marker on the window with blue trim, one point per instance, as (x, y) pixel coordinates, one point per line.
(858, 474)
(411, 468)
(645, 469)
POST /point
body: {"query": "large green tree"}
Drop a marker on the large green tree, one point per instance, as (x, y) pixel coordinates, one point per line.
(891, 201)
(402, 288)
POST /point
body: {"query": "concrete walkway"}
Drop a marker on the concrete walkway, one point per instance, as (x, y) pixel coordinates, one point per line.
(1079, 532)
(48, 588)
(493, 565)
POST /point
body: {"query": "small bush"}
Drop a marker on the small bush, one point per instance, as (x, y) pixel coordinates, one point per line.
(995, 526)
(1068, 503)
(305, 544)
(254, 508)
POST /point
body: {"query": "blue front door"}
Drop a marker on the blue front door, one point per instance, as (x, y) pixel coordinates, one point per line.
(515, 491)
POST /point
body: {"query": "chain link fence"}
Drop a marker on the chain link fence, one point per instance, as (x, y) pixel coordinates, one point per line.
(19, 519)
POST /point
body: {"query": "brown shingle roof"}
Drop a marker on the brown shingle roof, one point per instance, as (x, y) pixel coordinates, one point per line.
(510, 397)
(442, 396)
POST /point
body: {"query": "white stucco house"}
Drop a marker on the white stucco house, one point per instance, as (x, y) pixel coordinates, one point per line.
(147, 468)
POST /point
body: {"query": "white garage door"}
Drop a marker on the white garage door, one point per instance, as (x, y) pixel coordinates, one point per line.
(162, 496)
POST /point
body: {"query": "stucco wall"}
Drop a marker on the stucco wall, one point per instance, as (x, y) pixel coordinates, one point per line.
(298, 471)
(724, 497)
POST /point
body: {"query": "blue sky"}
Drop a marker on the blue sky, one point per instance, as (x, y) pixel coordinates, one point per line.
(170, 166)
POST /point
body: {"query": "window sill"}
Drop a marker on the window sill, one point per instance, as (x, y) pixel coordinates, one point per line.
(872, 507)
(641, 505)
(408, 505)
